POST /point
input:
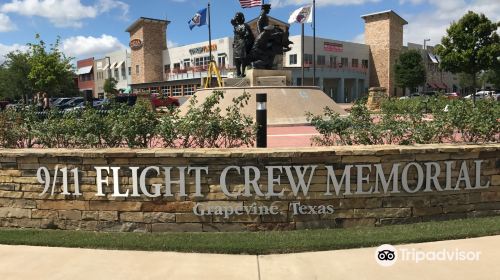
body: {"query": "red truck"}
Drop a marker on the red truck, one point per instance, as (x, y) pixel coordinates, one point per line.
(158, 100)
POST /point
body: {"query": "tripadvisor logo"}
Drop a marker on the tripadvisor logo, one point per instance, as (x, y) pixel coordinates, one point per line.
(387, 255)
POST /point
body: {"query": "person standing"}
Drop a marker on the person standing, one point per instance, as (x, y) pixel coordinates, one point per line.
(45, 102)
(243, 42)
(263, 20)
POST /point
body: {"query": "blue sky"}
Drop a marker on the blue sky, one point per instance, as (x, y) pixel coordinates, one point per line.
(93, 27)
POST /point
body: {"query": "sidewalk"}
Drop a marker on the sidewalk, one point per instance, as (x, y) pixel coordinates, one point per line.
(24, 262)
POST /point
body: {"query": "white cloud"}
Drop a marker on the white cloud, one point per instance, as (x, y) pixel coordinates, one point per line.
(360, 38)
(281, 3)
(5, 49)
(81, 46)
(6, 24)
(432, 24)
(63, 13)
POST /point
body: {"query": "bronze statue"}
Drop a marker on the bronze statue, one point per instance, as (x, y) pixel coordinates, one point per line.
(243, 42)
(271, 42)
(263, 19)
(259, 53)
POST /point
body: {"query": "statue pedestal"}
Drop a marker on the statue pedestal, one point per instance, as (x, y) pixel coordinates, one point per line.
(264, 77)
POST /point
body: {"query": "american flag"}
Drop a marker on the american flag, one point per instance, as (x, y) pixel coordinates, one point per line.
(250, 3)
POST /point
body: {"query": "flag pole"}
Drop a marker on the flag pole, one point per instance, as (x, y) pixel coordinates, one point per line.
(314, 43)
(209, 33)
(302, 52)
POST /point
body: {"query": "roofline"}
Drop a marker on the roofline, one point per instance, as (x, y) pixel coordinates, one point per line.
(270, 17)
(133, 25)
(384, 12)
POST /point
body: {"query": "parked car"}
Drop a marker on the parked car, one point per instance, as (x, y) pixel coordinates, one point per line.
(484, 94)
(452, 95)
(420, 94)
(60, 101)
(158, 100)
(71, 103)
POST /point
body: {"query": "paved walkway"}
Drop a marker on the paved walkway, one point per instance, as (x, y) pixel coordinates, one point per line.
(25, 262)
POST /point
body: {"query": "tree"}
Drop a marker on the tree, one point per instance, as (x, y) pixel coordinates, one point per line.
(13, 76)
(110, 85)
(470, 46)
(491, 77)
(410, 70)
(51, 71)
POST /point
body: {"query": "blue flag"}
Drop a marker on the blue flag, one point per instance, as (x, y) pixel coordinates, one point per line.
(199, 19)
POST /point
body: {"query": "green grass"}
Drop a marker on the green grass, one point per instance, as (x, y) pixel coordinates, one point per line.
(258, 242)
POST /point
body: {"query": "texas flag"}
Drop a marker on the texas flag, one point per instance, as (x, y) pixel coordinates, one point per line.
(199, 19)
(301, 15)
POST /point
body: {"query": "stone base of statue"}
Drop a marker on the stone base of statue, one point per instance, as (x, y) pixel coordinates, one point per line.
(375, 97)
(286, 105)
(264, 77)
(236, 82)
(261, 77)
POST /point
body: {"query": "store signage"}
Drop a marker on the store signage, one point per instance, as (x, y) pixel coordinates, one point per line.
(203, 49)
(299, 178)
(136, 44)
(333, 47)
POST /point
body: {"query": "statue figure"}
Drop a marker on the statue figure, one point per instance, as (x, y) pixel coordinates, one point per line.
(263, 19)
(243, 42)
(271, 42)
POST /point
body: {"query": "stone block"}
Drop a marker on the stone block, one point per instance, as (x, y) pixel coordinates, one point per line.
(170, 207)
(74, 215)
(8, 212)
(191, 218)
(108, 216)
(44, 214)
(115, 206)
(137, 217)
(63, 205)
(427, 211)
(382, 213)
(159, 217)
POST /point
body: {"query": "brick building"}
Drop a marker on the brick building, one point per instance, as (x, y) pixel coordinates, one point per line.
(85, 73)
(344, 70)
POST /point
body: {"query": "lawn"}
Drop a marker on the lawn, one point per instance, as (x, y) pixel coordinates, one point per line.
(258, 242)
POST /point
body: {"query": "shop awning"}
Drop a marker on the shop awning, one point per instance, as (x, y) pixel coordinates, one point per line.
(84, 70)
(119, 64)
(433, 58)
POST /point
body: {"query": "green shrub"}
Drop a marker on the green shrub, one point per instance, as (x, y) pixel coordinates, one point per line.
(411, 121)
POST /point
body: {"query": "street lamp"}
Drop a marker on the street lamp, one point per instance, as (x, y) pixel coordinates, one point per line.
(425, 41)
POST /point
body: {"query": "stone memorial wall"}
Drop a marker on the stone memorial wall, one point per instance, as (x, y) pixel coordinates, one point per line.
(160, 190)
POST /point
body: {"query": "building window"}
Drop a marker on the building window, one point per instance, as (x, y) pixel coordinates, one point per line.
(165, 90)
(344, 62)
(130, 71)
(221, 60)
(293, 59)
(364, 63)
(201, 61)
(189, 89)
(137, 69)
(117, 74)
(333, 61)
(187, 64)
(177, 66)
(176, 90)
(166, 68)
(355, 63)
(321, 60)
(308, 59)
